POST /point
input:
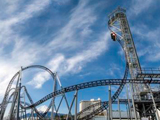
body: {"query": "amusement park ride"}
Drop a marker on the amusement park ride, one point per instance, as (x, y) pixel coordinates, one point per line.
(144, 101)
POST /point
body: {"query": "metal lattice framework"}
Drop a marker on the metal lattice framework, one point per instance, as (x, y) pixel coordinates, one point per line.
(144, 101)
(87, 85)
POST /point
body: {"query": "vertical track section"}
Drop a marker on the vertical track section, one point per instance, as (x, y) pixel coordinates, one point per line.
(114, 97)
(105, 105)
(118, 24)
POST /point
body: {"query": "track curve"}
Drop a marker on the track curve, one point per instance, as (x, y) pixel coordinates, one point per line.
(116, 94)
(4, 101)
(114, 97)
(91, 84)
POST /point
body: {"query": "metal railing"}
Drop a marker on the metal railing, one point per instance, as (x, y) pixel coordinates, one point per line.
(150, 71)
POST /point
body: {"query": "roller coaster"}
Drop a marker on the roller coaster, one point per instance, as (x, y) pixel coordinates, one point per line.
(144, 101)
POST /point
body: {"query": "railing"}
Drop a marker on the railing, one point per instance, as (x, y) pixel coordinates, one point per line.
(118, 10)
(150, 71)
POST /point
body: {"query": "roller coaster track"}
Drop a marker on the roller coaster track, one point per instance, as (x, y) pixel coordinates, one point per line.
(121, 101)
(130, 57)
(91, 84)
(5, 99)
(42, 115)
(119, 90)
(96, 83)
(34, 108)
(114, 97)
(31, 101)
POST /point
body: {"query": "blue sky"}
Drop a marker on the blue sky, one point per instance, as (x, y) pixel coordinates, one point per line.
(71, 37)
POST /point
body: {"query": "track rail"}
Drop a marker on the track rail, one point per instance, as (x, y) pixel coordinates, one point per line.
(91, 84)
(5, 99)
(117, 93)
(114, 97)
(34, 108)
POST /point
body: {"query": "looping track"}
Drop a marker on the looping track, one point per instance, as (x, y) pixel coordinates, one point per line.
(132, 64)
(5, 99)
(85, 85)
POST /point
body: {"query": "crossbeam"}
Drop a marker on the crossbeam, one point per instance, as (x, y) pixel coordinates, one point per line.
(91, 84)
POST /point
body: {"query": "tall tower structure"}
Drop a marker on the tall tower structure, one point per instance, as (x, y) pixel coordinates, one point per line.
(120, 31)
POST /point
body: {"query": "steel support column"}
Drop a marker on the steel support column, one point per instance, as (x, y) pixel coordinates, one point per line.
(129, 110)
(154, 104)
(76, 103)
(119, 109)
(18, 101)
(110, 103)
(19, 94)
(132, 96)
(53, 100)
(70, 108)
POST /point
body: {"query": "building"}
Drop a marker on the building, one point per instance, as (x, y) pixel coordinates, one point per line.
(115, 115)
(103, 116)
(84, 104)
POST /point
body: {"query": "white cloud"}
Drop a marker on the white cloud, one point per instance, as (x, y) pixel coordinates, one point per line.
(28, 12)
(12, 6)
(74, 64)
(114, 70)
(25, 53)
(144, 32)
(60, 2)
(55, 62)
(93, 52)
(15, 50)
(6, 25)
(148, 36)
(81, 18)
(139, 6)
(41, 77)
